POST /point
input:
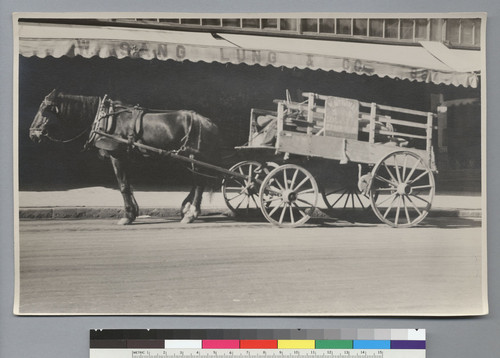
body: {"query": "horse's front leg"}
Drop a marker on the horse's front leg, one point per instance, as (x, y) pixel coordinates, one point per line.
(120, 166)
(191, 207)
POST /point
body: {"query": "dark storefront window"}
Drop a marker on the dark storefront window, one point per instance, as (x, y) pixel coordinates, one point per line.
(453, 30)
(190, 21)
(327, 26)
(211, 22)
(477, 32)
(251, 23)
(436, 29)
(309, 25)
(376, 28)
(406, 29)
(467, 33)
(269, 23)
(288, 24)
(392, 28)
(421, 27)
(231, 22)
(360, 27)
(169, 21)
(344, 26)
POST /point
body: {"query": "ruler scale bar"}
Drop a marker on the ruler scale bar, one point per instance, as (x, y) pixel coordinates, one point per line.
(352, 343)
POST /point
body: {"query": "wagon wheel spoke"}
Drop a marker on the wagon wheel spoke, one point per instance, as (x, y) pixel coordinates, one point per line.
(241, 202)
(403, 205)
(390, 206)
(271, 200)
(274, 190)
(301, 183)
(292, 218)
(254, 201)
(336, 191)
(411, 172)
(419, 198)
(404, 167)
(291, 191)
(347, 199)
(339, 198)
(275, 209)
(386, 199)
(307, 191)
(396, 219)
(305, 202)
(390, 173)
(236, 189)
(386, 189)
(294, 178)
(236, 196)
(386, 181)
(421, 187)
(282, 216)
(279, 184)
(396, 167)
(285, 179)
(413, 204)
(417, 178)
(406, 210)
(359, 200)
(300, 210)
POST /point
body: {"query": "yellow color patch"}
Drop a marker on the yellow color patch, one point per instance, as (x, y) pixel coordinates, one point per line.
(296, 344)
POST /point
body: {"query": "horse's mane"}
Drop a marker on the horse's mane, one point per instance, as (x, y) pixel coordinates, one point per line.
(77, 108)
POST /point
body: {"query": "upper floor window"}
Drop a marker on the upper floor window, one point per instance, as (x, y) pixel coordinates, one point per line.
(461, 32)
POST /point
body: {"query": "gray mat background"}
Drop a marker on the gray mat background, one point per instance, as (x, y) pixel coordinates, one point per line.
(68, 336)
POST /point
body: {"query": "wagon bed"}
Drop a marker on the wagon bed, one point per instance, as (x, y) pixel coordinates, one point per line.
(383, 158)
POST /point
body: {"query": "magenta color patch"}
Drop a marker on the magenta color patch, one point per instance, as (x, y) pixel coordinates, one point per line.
(221, 344)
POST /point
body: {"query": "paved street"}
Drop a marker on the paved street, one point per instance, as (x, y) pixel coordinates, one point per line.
(220, 265)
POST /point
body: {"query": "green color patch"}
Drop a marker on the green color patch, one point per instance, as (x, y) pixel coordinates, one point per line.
(333, 344)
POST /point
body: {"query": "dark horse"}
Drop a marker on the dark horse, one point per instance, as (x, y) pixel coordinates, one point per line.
(68, 118)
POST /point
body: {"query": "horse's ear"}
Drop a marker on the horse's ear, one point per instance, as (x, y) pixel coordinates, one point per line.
(52, 94)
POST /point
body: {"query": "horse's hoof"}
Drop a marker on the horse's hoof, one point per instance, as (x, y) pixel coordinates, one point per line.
(124, 221)
(187, 219)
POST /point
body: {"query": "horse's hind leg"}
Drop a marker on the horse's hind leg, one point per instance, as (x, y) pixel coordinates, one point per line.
(192, 209)
(131, 208)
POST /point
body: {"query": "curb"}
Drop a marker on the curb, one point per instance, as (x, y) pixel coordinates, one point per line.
(117, 212)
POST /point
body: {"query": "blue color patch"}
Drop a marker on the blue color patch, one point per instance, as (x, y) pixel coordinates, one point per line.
(362, 344)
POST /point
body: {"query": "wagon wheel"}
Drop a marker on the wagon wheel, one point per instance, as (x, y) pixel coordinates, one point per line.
(343, 195)
(288, 196)
(242, 195)
(402, 189)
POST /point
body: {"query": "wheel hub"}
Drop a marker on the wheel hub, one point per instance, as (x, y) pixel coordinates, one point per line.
(289, 196)
(403, 189)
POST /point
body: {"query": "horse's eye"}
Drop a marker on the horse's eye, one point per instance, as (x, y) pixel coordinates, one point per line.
(52, 109)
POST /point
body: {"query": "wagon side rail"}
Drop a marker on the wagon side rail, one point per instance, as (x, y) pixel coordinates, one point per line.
(374, 124)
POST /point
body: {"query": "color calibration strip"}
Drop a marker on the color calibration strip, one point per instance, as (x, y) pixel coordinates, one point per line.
(375, 343)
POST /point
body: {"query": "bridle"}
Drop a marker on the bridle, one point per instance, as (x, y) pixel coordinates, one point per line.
(51, 104)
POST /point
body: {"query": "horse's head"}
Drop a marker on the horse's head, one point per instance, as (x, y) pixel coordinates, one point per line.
(47, 119)
(63, 118)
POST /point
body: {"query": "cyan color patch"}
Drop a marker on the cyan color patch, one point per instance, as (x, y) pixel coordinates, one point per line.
(361, 344)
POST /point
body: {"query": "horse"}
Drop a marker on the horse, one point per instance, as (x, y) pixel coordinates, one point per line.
(117, 130)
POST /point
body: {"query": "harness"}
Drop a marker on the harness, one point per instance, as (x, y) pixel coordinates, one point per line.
(104, 124)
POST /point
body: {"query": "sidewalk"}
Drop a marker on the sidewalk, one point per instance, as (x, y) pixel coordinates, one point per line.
(100, 202)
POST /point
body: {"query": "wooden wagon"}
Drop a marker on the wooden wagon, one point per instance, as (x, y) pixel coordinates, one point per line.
(356, 155)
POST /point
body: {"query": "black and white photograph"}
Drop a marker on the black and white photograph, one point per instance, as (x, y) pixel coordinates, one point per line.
(274, 164)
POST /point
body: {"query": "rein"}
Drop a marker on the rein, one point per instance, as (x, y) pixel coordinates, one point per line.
(66, 140)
